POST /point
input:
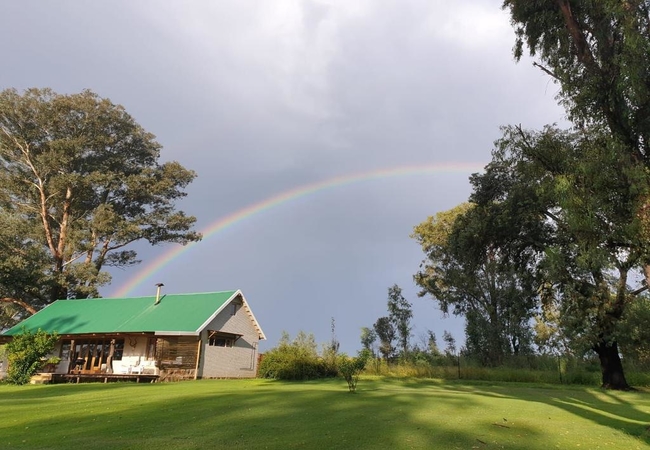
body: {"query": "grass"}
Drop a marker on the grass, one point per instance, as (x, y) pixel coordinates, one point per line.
(576, 374)
(262, 414)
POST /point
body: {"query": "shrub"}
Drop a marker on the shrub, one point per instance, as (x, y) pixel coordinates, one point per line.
(350, 368)
(295, 360)
(26, 353)
(330, 361)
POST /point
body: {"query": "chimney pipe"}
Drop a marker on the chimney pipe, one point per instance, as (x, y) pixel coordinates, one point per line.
(158, 285)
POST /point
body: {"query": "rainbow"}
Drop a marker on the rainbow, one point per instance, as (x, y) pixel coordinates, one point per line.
(301, 191)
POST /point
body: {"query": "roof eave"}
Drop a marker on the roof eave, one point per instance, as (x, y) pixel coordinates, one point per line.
(176, 333)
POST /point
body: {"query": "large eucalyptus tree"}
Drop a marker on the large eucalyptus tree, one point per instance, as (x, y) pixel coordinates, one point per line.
(599, 54)
(80, 181)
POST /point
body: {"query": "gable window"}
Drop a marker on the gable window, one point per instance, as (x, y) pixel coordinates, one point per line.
(233, 309)
(221, 339)
(218, 341)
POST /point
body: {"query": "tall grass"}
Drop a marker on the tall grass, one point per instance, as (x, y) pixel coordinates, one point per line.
(548, 371)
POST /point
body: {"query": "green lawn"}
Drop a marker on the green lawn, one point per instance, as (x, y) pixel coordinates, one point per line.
(260, 414)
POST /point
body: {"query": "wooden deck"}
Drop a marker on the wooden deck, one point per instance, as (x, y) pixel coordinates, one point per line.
(102, 377)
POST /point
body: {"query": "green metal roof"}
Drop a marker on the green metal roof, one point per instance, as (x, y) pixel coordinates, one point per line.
(175, 314)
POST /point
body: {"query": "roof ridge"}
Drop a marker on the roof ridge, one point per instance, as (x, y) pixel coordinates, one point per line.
(150, 296)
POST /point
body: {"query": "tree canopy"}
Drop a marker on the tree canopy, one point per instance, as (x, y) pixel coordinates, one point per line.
(80, 182)
(599, 54)
(400, 314)
(475, 267)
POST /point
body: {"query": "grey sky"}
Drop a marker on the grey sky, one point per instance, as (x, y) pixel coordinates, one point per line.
(260, 97)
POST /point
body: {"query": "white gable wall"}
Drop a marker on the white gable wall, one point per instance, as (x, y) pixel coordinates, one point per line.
(238, 361)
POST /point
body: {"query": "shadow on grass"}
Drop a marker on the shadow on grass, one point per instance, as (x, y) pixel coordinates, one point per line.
(606, 408)
(249, 416)
(385, 413)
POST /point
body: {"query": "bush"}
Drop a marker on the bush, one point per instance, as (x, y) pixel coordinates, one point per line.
(295, 360)
(350, 368)
(26, 353)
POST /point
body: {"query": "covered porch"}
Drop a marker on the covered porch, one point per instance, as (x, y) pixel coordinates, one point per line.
(106, 356)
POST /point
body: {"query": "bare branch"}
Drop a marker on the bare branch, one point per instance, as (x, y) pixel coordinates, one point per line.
(546, 70)
(637, 291)
(72, 259)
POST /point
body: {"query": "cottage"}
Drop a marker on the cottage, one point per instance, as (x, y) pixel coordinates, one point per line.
(166, 337)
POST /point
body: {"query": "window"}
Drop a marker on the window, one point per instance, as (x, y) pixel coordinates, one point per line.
(219, 341)
(89, 355)
(119, 350)
(151, 348)
(233, 309)
(93, 348)
(65, 350)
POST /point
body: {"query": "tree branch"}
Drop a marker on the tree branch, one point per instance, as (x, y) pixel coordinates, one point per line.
(546, 70)
(63, 232)
(581, 45)
(637, 291)
(18, 302)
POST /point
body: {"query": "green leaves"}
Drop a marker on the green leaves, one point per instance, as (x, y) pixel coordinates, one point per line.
(82, 181)
(574, 205)
(476, 265)
(351, 368)
(400, 314)
(591, 183)
(599, 54)
(295, 359)
(25, 354)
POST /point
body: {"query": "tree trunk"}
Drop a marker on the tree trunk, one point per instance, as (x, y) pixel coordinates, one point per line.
(611, 366)
(495, 339)
(58, 292)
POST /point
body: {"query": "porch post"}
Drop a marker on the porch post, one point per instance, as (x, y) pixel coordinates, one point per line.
(198, 357)
(72, 356)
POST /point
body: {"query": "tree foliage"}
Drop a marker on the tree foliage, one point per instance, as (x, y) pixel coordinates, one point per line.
(26, 353)
(549, 335)
(432, 343)
(564, 214)
(80, 182)
(400, 314)
(368, 339)
(450, 343)
(634, 331)
(474, 267)
(599, 54)
(589, 200)
(386, 334)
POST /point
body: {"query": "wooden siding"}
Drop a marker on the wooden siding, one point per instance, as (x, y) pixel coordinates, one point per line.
(176, 356)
